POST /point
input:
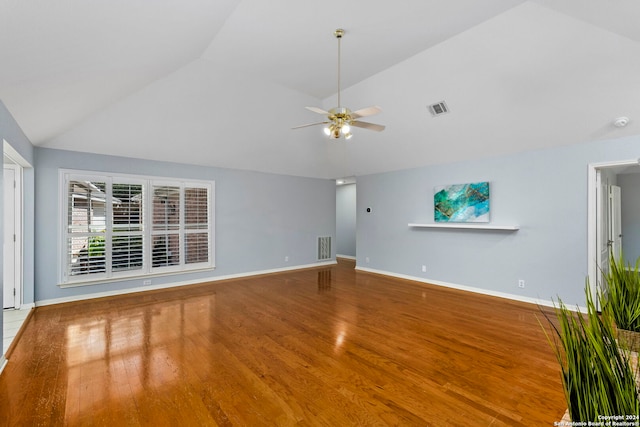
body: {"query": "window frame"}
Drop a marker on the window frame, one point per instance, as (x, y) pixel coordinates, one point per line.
(148, 183)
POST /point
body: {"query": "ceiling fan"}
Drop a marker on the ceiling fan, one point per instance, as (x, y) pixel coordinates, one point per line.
(341, 119)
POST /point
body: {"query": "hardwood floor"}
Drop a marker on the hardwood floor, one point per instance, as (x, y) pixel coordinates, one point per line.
(327, 346)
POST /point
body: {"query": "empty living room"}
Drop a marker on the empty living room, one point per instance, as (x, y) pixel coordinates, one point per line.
(245, 213)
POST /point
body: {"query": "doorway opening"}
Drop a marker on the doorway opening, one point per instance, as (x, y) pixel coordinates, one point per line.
(604, 218)
(12, 283)
(346, 218)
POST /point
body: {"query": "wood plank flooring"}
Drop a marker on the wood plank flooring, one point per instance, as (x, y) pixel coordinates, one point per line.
(318, 347)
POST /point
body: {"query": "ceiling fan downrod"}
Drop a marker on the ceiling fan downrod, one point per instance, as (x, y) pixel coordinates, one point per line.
(339, 33)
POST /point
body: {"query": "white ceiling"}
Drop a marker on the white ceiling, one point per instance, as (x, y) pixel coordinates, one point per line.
(222, 82)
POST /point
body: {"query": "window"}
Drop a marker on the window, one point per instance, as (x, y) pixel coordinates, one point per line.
(128, 226)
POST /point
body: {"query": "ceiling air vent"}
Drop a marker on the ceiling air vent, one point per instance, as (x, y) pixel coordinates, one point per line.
(438, 109)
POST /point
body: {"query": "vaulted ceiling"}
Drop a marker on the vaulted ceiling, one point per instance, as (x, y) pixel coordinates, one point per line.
(222, 82)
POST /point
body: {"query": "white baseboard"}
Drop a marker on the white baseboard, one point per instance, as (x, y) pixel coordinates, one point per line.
(176, 284)
(346, 256)
(3, 363)
(520, 298)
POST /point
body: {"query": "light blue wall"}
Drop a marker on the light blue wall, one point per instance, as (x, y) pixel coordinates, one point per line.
(346, 220)
(260, 218)
(10, 131)
(544, 192)
(630, 189)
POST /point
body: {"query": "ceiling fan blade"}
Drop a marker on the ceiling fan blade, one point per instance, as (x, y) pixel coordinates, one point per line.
(365, 125)
(310, 124)
(317, 110)
(363, 112)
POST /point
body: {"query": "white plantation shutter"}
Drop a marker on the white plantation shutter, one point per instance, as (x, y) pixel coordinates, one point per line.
(166, 205)
(86, 226)
(196, 225)
(128, 226)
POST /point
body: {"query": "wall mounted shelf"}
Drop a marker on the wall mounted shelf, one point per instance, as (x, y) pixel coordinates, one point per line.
(467, 226)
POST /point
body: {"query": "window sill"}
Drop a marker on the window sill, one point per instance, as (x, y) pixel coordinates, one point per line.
(142, 278)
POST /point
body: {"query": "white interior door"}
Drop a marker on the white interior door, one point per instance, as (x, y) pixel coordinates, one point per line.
(602, 226)
(615, 221)
(9, 252)
(609, 226)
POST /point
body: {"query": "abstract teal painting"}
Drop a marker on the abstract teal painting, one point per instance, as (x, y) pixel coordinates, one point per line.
(462, 203)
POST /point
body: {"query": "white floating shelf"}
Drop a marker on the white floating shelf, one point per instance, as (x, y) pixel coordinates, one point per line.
(467, 226)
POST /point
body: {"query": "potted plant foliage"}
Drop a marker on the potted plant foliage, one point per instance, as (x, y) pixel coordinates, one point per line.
(597, 376)
(621, 300)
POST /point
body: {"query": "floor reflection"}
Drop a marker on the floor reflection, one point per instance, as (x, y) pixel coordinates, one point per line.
(117, 357)
(324, 280)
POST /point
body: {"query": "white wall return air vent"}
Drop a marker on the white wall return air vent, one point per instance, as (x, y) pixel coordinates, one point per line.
(438, 109)
(324, 248)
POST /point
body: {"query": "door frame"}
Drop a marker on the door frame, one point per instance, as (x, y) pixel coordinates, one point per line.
(16, 205)
(18, 163)
(594, 221)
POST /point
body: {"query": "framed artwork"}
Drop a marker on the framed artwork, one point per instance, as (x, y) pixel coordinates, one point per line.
(462, 203)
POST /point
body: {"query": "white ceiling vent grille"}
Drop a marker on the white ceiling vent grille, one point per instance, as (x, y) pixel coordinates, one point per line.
(438, 109)
(324, 248)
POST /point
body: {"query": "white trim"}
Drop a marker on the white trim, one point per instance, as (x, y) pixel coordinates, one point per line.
(592, 230)
(19, 248)
(3, 362)
(11, 152)
(467, 225)
(512, 297)
(127, 278)
(22, 163)
(176, 284)
(346, 256)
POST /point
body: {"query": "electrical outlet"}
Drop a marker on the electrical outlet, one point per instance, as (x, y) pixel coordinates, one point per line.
(366, 260)
(286, 259)
(146, 282)
(424, 268)
(521, 283)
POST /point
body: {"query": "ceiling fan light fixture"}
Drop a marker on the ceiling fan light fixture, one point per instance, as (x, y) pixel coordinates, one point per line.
(340, 119)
